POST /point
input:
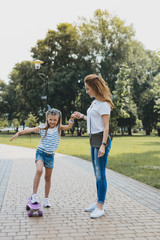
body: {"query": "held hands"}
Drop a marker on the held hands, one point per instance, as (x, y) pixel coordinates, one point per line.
(78, 115)
(15, 136)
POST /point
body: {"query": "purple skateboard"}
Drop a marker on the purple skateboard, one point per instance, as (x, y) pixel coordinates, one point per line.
(33, 208)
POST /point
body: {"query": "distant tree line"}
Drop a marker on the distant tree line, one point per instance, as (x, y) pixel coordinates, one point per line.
(102, 45)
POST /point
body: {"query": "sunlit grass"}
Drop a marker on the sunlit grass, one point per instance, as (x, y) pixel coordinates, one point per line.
(137, 157)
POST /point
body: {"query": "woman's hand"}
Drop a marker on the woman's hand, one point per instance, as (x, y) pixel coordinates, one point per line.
(101, 151)
(15, 136)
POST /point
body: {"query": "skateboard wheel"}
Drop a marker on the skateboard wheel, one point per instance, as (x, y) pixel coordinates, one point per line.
(30, 214)
(27, 207)
(40, 213)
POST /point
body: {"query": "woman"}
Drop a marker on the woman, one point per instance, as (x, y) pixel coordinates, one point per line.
(98, 115)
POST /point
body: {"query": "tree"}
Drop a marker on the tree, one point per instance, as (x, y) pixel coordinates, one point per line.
(4, 123)
(59, 52)
(31, 121)
(16, 124)
(3, 102)
(156, 91)
(100, 45)
(125, 108)
(144, 66)
(109, 38)
(24, 92)
(147, 114)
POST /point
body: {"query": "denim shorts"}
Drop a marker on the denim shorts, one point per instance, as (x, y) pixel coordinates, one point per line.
(47, 159)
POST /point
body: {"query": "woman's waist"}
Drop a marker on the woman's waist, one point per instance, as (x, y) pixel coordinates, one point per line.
(96, 130)
(96, 133)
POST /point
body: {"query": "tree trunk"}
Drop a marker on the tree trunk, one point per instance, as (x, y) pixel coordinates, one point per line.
(79, 133)
(129, 131)
(148, 132)
(158, 132)
(122, 130)
(62, 133)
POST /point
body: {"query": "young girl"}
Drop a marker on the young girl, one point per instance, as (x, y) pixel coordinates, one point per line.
(50, 133)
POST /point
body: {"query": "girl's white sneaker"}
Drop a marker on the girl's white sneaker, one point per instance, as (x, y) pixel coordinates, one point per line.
(97, 213)
(46, 203)
(34, 198)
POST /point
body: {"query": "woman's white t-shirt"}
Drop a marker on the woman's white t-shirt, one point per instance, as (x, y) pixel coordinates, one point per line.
(94, 116)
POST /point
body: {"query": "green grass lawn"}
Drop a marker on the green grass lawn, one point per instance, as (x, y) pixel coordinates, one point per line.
(137, 157)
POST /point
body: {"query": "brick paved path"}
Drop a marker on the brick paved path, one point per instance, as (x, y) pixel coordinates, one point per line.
(132, 208)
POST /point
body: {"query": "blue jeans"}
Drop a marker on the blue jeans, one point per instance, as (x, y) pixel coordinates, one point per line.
(47, 159)
(99, 166)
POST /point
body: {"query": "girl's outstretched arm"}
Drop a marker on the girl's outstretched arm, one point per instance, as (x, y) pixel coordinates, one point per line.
(28, 130)
(69, 126)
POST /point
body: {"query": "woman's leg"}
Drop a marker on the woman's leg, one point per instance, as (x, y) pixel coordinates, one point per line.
(93, 159)
(94, 156)
(39, 171)
(100, 174)
(48, 174)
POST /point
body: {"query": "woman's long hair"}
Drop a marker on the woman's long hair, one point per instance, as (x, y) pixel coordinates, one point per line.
(53, 112)
(100, 87)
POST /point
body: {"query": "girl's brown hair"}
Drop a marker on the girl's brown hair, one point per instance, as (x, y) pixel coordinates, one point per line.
(53, 112)
(100, 87)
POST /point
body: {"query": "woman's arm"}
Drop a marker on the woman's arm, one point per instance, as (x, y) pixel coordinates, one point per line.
(70, 125)
(28, 130)
(105, 119)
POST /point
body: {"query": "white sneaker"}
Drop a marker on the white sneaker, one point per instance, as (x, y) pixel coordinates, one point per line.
(90, 208)
(46, 203)
(34, 198)
(97, 213)
(93, 207)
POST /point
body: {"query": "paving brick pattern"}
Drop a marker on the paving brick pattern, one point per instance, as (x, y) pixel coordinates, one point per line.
(73, 188)
(145, 194)
(5, 168)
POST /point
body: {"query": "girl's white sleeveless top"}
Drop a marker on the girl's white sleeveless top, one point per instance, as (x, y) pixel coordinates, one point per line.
(50, 143)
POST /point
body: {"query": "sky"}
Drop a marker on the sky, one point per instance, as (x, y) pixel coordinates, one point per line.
(22, 23)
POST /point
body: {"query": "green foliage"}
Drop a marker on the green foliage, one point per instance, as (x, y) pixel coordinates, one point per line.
(158, 125)
(3, 102)
(16, 123)
(156, 90)
(103, 45)
(4, 123)
(83, 126)
(59, 51)
(139, 124)
(122, 91)
(125, 109)
(31, 121)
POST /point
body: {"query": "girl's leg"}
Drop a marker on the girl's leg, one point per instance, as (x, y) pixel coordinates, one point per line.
(48, 174)
(39, 171)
